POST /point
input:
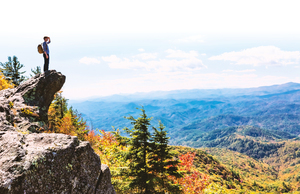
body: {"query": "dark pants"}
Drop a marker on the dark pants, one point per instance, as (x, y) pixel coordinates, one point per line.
(46, 62)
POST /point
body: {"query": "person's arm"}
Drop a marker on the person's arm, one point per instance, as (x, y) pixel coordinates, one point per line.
(49, 40)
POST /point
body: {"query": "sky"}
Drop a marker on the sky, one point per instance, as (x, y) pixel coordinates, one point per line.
(116, 47)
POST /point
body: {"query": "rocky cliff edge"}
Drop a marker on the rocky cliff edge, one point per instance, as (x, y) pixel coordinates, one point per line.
(32, 162)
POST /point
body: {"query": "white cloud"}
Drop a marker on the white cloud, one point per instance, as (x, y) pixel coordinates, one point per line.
(246, 71)
(111, 59)
(187, 62)
(191, 39)
(181, 54)
(240, 71)
(177, 65)
(141, 50)
(155, 65)
(228, 70)
(118, 63)
(88, 61)
(146, 56)
(261, 56)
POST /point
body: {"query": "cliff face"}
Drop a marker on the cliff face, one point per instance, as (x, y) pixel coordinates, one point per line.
(26, 107)
(33, 162)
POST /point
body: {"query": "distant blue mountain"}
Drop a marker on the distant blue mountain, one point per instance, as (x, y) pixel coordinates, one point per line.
(188, 114)
(197, 93)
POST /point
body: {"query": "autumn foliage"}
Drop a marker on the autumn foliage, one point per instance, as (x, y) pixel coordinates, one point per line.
(66, 126)
(192, 181)
(4, 84)
(92, 138)
(113, 150)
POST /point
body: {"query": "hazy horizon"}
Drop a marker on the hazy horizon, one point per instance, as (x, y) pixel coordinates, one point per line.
(107, 48)
(165, 91)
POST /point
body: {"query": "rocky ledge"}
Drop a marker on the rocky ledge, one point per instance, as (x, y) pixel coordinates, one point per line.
(25, 108)
(32, 162)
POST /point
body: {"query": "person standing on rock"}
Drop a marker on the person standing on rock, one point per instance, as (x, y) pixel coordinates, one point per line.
(46, 53)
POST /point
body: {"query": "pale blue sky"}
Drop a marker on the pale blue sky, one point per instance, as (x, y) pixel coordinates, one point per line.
(141, 46)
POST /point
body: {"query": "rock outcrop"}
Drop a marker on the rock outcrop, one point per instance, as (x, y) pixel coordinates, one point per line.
(33, 162)
(26, 107)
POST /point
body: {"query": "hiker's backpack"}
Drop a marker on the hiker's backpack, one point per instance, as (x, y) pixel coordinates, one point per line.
(40, 48)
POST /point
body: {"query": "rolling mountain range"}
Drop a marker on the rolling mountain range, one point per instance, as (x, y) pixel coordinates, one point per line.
(254, 132)
(188, 114)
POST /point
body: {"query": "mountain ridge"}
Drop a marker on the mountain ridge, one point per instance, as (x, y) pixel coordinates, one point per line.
(254, 132)
(282, 102)
(192, 92)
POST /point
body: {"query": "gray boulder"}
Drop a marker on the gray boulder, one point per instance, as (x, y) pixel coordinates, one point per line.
(50, 163)
(25, 108)
(44, 162)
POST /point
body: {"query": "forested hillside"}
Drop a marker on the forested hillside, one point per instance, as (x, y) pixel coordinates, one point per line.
(252, 135)
(193, 112)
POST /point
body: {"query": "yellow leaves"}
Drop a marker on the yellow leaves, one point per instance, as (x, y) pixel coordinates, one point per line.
(66, 126)
(92, 138)
(67, 121)
(214, 188)
(4, 84)
(106, 146)
(11, 104)
(29, 112)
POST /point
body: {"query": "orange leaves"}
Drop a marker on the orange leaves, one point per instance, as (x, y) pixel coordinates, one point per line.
(187, 161)
(66, 126)
(107, 138)
(92, 138)
(193, 181)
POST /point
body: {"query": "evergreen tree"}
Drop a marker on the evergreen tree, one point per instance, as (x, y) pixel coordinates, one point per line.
(162, 161)
(36, 71)
(151, 160)
(79, 124)
(57, 110)
(122, 140)
(138, 154)
(11, 70)
(62, 119)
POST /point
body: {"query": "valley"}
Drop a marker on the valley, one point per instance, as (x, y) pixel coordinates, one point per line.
(251, 134)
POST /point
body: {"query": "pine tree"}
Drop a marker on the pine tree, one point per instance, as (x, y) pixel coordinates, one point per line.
(138, 154)
(162, 161)
(36, 71)
(57, 110)
(79, 123)
(62, 119)
(11, 70)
